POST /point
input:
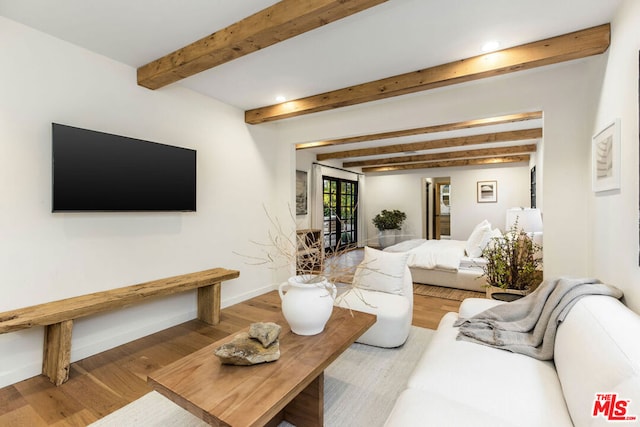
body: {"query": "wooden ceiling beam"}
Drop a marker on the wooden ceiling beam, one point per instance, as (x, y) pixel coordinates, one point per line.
(467, 124)
(515, 135)
(449, 155)
(579, 44)
(281, 21)
(449, 163)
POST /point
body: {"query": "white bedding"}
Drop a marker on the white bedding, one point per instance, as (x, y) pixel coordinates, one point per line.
(442, 263)
(467, 263)
(432, 254)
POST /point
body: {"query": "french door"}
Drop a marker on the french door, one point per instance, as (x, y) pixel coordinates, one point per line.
(340, 200)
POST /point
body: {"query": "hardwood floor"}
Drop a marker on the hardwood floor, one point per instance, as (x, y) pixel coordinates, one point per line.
(103, 383)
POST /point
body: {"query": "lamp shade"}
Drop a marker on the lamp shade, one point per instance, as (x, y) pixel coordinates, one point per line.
(529, 219)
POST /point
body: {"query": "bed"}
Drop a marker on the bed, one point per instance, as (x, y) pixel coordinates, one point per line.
(450, 263)
(442, 263)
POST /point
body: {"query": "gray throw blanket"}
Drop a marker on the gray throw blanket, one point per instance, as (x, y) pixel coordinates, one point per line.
(529, 325)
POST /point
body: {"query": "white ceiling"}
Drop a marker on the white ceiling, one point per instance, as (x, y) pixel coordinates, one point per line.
(395, 37)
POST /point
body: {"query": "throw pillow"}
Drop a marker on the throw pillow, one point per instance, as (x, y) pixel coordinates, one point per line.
(494, 236)
(381, 271)
(478, 239)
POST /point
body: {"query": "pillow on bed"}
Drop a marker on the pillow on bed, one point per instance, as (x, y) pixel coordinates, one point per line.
(478, 239)
(495, 234)
(381, 271)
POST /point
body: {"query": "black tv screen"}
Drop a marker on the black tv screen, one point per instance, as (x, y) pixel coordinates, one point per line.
(96, 171)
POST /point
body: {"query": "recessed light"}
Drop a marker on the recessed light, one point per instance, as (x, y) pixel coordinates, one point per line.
(280, 98)
(490, 46)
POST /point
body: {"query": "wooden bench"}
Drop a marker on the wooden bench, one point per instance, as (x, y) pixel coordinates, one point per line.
(57, 316)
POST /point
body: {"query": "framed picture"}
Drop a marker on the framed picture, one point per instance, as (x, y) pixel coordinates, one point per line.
(487, 191)
(301, 193)
(605, 158)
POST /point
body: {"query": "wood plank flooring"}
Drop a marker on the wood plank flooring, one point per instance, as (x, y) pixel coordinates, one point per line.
(103, 383)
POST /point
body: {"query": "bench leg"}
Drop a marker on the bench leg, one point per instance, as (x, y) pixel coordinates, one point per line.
(209, 304)
(57, 351)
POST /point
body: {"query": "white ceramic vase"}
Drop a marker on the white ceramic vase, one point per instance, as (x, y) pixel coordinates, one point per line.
(386, 238)
(307, 304)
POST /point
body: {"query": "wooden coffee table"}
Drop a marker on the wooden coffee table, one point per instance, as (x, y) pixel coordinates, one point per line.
(291, 388)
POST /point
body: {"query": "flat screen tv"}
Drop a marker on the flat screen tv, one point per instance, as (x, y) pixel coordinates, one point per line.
(96, 171)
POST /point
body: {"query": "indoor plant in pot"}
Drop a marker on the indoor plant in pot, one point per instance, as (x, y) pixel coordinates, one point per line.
(387, 222)
(513, 262)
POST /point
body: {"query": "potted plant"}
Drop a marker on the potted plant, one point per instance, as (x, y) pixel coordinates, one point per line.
(512, 263)
(387, 222)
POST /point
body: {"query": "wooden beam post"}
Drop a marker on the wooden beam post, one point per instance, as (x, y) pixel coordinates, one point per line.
(579, 44)
(279, 22)
(449, 163)
(467, 124)
(57, 351)
(450, 155)
(487, 138)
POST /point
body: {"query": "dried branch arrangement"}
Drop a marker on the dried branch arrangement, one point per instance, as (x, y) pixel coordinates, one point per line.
(285, 248)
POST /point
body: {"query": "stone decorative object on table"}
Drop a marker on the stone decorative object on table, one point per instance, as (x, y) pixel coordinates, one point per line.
(266, 333)
(249, 348)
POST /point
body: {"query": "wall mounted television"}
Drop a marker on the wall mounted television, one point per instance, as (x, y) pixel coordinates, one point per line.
(100, 172)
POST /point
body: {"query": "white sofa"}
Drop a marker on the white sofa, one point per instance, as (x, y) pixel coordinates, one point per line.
(459, 383)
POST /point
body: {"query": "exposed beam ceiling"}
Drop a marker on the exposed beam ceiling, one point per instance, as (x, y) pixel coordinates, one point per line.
(461, 146)
(507, 136)
(449, 163)
(467, 124)
(449, 155)
(283, 20)
(566, 47)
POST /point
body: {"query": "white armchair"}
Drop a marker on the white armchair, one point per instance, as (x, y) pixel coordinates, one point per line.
(384, 287)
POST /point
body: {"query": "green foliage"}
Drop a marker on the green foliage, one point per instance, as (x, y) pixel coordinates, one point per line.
(389, 220)
(512, 261)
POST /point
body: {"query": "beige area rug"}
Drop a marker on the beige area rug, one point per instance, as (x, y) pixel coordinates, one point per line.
(360, 389)
(444, 292)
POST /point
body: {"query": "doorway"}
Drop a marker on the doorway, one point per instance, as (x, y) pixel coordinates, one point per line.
(340, 200)
(442, 224)
(437, 208)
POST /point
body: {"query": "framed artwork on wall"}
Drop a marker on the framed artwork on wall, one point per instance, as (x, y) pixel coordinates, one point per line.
(301, 193)
(605, 158)
(487, 191)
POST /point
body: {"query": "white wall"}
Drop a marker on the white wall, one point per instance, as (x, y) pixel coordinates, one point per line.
(332, 168)
(404, 191)
(614, 214)
(45, 256)
(567, 94)
(304, 161)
